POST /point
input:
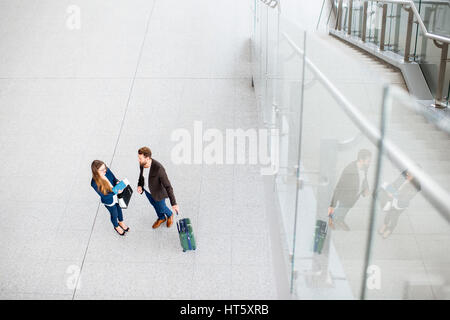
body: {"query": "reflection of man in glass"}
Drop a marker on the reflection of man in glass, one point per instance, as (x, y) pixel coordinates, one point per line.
(351, 185)
(394, 198)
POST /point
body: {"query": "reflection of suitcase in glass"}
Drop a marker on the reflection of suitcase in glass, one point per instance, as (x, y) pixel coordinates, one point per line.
(320, 235)
(186, 234)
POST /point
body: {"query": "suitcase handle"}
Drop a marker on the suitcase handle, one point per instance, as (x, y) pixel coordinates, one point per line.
(175, 215)
(177, 222)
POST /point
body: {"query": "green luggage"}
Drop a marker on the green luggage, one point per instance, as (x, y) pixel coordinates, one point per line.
(186, 234)
(320, 235)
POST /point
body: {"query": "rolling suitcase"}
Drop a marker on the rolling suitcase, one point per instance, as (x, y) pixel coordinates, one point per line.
(320, 235)
(186, 234)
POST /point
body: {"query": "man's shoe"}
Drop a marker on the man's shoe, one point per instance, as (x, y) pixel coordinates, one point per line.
(158, 223)
(170, 221)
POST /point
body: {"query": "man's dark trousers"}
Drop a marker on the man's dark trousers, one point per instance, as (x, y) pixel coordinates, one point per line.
(160, 206)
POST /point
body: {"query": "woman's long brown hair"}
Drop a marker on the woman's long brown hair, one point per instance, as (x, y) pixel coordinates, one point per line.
(103, 185)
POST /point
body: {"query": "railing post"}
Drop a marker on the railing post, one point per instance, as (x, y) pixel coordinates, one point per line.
(364, 24)
(339, 16)
(383, 27)
(397, 27)
(350, 11)
(439, 103)
(426, 22)
(408, 34)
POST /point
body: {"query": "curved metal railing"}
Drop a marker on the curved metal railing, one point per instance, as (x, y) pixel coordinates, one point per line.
(419, 18)
(442, 42)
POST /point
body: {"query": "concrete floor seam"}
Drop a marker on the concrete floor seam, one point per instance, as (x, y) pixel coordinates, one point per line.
(117, 142)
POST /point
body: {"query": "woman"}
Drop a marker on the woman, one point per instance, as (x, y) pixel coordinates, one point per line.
(102, 182)
(395, 198)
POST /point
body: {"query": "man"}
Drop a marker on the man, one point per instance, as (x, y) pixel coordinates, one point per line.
(351, 185)
(154, 183)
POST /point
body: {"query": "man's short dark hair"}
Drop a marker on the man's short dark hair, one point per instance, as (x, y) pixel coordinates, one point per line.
(145, 151)
(364, 154)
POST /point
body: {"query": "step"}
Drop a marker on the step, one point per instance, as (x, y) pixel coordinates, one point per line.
(406, 116)
(422, 156)
(432, 134)
(435, 167)
(418, 135)
(410, 127)
(420, 144)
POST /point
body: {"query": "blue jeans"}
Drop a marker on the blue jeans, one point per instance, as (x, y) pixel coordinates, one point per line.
(116, 214)
(160, 206)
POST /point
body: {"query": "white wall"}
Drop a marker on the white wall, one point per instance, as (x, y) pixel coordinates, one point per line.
(305, 12)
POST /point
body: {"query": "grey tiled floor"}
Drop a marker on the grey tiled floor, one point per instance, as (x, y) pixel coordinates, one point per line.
(134, 72)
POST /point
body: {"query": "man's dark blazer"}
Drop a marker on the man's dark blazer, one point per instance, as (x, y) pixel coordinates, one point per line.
(158, 182)
(347, 189)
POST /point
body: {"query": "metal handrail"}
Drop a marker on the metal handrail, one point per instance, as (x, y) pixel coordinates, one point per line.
(419, 20)
(433, 192)
(440, 2)
(418, 17)
(442, 42)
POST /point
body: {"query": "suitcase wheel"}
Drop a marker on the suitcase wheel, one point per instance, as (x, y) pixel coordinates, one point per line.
(184, 250)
